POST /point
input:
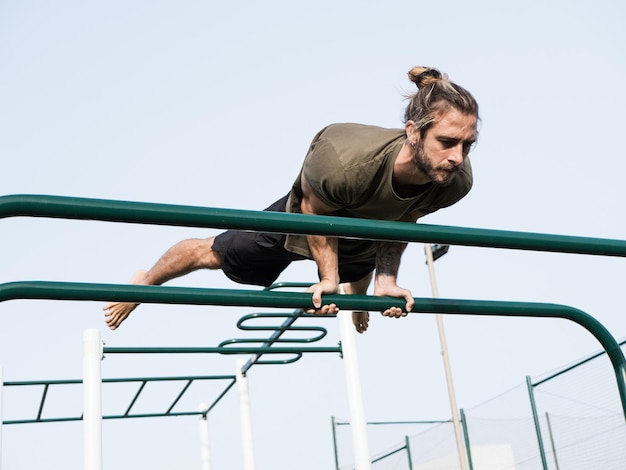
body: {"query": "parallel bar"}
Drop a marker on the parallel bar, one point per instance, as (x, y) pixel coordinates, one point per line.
(26, 205)
(251, 298)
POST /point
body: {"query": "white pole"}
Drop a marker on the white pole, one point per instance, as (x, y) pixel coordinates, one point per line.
(203, 427)
(1, 387)
(446, 361)
(358, 424)
(92, 400)
(245, 417)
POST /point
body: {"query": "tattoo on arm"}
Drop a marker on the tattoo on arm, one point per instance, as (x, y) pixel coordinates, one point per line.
(388, 256)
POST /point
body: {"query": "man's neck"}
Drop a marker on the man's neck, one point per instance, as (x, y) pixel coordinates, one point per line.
(405, 171)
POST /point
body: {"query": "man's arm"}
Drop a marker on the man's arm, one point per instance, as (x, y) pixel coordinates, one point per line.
(324, 251)
(388, 255)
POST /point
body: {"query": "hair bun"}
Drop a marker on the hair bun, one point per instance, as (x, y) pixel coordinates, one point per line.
(424, 76)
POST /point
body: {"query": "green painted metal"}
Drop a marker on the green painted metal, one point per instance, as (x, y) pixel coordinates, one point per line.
(25, 205)
(468, 449)
(533, 407)
(249, 323)
(259, 298)
(408, 452)
(141, 380)
(221, 350)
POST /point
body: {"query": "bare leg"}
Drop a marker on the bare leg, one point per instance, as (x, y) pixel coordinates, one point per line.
(182, 258)
(360, 319)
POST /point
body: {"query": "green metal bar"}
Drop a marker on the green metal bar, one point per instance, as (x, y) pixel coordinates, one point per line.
(389, 454)
(80, 418)
(224, 392)
(468, 449)
(132, 403)
(25, 205)
(408, 452)
(180, 395)
(258, 298)
(533, 407)
(574, 366)
(43, 400)
(332, 422)
(119, 380)
(220, 350)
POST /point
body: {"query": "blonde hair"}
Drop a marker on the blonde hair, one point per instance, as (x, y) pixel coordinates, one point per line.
(435, 94)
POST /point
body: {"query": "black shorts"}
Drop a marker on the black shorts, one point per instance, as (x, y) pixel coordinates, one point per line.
(258, 258)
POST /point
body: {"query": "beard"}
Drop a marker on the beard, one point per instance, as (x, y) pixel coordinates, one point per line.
(441, 175)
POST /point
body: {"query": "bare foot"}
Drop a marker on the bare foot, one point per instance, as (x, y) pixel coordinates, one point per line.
(117, 312)
(361, 321)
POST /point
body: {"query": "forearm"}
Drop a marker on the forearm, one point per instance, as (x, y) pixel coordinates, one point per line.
(324, 251)
(388, 255)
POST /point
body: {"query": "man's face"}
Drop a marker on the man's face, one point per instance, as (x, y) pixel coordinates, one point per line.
(444, 146)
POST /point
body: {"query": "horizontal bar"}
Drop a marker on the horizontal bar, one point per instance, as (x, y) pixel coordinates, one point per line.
(119, 380)
(221, 350)
(25, 205)
(80, 418)
(251, 298)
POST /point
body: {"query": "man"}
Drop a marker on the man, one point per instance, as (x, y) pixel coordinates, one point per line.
(350, 170)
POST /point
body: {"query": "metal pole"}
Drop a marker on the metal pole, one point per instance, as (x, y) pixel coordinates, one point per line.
(245, 417)
(446, 361)
(533, 406)
(556, 460)
(358, 424)
(468, 447)
(92, 400)
(408, 452)
(332, 420)
(203, 428)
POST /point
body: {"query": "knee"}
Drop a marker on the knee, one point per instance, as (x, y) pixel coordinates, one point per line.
(206, 256)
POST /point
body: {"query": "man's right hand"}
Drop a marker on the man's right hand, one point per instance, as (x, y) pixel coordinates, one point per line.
(325, 286)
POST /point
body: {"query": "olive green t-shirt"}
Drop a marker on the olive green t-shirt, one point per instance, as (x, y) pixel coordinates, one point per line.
(350, 167)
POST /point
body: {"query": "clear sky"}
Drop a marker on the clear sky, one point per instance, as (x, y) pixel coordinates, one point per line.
(214, 104)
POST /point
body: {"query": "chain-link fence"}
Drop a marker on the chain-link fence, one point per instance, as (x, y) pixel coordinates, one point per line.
(570, 420)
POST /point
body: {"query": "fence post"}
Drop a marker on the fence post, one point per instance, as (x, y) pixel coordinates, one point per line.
(92, 400)
(467, 441)
(533, 406)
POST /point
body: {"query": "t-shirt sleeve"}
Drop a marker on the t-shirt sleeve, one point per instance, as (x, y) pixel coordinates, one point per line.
(326, 175)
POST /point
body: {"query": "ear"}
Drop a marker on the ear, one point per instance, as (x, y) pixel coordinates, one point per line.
(412, 133)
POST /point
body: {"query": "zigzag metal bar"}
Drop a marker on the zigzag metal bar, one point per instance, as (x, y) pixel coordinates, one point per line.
(278, 331)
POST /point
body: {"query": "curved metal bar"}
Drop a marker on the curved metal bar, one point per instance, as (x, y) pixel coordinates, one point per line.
(322, 332)
(251, 298)
(26, 205)
(276, 336)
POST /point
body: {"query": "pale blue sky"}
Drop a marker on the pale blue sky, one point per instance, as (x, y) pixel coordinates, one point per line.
(214, 104)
